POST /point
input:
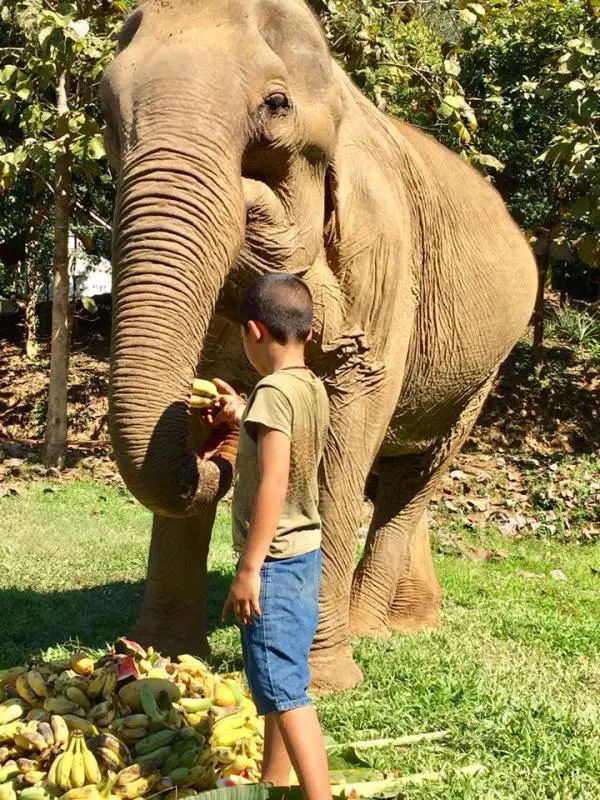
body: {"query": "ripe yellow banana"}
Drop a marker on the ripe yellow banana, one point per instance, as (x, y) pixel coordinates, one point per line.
(37, 684)
(52, 772)
(9, 731)
(77, 696)
(90, 762)
(62, 774)
(25, 691)
(204, 388)
(229, 722)
(130, 791)
(134, 772)
(82, 793)
(231, 737)
(60, 730)
(7, 792)
(78, 766)
(12, 709)
(32, 739)
(34, 776)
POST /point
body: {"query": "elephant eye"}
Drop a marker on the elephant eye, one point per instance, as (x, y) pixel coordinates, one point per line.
(277, 101)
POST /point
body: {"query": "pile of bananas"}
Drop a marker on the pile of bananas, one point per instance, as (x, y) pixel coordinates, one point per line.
(74, 729)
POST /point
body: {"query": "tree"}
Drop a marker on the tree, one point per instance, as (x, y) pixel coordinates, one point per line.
(52, 135)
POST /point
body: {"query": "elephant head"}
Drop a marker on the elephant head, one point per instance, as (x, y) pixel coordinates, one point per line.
(222, 121)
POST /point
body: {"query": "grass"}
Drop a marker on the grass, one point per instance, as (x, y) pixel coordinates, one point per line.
(513, 674)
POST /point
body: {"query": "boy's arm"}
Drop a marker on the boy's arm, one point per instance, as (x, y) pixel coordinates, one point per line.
(274, 469)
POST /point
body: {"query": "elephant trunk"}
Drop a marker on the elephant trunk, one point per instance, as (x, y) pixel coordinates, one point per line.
(180, 227)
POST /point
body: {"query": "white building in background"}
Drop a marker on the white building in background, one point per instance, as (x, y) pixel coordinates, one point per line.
(88, 277)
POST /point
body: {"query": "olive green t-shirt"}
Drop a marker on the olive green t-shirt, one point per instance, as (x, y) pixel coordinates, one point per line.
(295, 403)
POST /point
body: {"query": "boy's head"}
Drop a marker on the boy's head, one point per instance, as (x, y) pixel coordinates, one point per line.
(276, 309)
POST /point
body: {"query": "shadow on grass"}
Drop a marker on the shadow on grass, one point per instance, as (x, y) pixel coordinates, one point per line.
(31, 622)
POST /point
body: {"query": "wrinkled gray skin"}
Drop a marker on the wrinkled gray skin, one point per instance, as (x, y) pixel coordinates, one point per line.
(422, 285)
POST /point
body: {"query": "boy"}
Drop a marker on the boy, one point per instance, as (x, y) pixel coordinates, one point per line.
(276, 525)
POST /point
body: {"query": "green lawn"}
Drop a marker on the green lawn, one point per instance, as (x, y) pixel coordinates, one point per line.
(514, 674)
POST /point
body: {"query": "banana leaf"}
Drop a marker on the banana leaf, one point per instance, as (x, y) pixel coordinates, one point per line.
(254, 791)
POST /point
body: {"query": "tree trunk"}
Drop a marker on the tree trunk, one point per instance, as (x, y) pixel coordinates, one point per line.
(31, 320)
(56, 430)
(539, 312)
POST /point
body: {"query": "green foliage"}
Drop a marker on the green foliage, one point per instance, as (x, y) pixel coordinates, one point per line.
(47, 40)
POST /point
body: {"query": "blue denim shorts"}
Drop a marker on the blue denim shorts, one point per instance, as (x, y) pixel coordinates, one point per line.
(277, 644)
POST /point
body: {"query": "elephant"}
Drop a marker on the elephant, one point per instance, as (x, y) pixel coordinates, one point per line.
(241, 146)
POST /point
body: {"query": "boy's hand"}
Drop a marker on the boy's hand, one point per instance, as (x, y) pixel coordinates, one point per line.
(225, 410)
(228, 407)
(243, 597)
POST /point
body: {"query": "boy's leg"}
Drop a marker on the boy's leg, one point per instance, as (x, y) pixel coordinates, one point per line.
(276, 761)
(305, 744)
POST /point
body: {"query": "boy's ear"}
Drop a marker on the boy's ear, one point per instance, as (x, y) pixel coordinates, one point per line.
(310, 336)
(256, 330)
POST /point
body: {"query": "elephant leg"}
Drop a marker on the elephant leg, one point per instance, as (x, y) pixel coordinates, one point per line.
(393, 555)
(352, 442)
(173, 614)
(395, 585)
(416, 603)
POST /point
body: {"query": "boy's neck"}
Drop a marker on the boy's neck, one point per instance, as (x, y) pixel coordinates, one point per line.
(283, 356)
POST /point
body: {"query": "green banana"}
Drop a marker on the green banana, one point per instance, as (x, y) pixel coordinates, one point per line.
(149, 704)
(195, 704)
(158, 756)
(9, 771)
(154, 741)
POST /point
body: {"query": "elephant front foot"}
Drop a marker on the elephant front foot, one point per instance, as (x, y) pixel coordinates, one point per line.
(334, 671)
(416, 607)
(367, 621)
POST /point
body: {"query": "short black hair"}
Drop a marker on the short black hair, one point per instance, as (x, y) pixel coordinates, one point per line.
(282, 303)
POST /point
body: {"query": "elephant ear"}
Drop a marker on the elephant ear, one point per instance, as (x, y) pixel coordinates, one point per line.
(367, 219)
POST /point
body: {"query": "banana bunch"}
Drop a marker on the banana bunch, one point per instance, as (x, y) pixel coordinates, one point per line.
(103, 682)
(111, 751)
(204, 393)
(36, 737)
(177, 729)
(76, 767)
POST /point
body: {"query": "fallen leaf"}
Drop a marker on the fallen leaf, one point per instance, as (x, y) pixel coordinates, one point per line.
(522, 573)
(558, 575)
